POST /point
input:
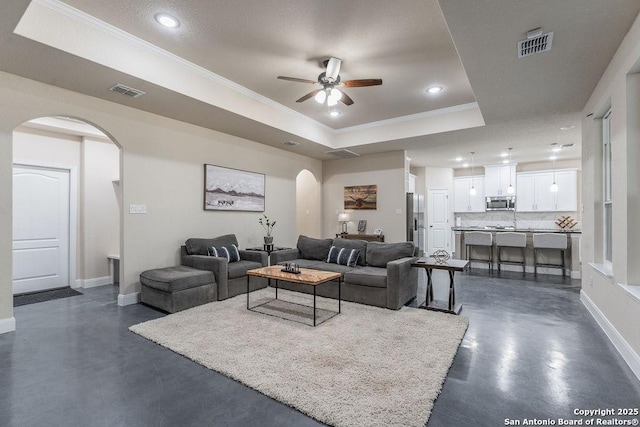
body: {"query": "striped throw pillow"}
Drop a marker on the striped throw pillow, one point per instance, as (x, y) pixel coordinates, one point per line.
(343, 256)
(230, 252)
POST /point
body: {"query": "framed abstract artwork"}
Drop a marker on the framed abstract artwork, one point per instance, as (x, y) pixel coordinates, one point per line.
(227, 189)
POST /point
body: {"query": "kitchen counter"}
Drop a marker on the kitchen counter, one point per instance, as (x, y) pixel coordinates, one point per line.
(521, 230)
(572, 252)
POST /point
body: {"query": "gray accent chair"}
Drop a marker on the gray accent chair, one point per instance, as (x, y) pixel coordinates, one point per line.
(383, 276)
(231, 277)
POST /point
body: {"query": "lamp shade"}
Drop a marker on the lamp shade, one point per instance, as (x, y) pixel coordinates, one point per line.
(344, 217)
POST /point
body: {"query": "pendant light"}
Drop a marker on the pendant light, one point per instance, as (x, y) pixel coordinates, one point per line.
(472, 190)
(510, 189)
(554, 186)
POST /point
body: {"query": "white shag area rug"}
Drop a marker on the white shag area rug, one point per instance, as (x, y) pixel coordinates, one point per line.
(367, 366)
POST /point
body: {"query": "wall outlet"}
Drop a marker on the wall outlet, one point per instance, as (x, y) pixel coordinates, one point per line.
(137, 209)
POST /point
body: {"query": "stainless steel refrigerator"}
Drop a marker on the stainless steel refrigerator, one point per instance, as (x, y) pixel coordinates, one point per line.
(415, 220)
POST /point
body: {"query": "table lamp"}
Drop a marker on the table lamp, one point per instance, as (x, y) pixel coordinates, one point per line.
(344, 218)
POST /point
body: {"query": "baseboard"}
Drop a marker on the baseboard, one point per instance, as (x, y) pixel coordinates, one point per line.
(631, 357)
(97, 281)
(7, 325)
(78, 284)
(128, 299)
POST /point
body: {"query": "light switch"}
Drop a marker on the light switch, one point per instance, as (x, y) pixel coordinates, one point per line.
(398, 211)
(137, 209)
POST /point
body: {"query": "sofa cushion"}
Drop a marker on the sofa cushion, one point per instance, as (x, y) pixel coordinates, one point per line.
(379, 254)
(229, 252)
(336, 268)
(343, 256)
(239, 269)
(311, 248)
(367, 276)
(197, 246)
(360, 245)
(173, 279)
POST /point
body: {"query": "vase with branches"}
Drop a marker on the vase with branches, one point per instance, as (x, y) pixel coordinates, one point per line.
(268, 225)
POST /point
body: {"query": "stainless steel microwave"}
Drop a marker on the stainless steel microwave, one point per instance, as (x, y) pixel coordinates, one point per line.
(501, 203)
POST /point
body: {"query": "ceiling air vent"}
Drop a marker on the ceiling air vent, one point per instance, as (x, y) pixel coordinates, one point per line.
(290, 143)
(126, 90)
(567, 145)
(537, 44)
(342, 154)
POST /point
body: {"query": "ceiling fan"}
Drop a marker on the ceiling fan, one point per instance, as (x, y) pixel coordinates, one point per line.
(330, 80)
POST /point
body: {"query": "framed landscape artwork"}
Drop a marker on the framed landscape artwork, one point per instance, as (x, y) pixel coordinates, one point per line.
(227, 189)
(361, 197)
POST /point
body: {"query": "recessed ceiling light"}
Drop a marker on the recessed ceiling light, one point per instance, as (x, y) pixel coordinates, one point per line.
(505, 161)
(334, 113)
(504, 154)
(167, 20)
(554, 157)
(465, 165)
(556, 149)
(568, 127)
(458, 159)
(434, 89)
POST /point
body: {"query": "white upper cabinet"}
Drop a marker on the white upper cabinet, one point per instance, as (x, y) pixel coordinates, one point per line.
(463, 200)
(535, 195)
(498, 178)
(567, 195)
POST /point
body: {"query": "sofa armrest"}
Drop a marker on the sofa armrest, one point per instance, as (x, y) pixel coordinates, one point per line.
(256, 256)
(284, 255)
(219, 267)
(402, 282)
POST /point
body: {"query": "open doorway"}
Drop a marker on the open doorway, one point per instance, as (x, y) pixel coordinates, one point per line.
(308, 199)
(66, 205)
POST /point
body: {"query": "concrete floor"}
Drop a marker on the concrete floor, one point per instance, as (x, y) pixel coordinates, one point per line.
(532, 350)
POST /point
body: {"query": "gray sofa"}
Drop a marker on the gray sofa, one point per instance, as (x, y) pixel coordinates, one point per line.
(383, 276)
(231, 277)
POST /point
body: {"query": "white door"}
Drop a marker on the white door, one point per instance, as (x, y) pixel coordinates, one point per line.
(40, 228)
(438, 229)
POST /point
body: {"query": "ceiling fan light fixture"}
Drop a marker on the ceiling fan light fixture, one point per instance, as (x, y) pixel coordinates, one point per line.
(335, 95)
(321, 97)
(167, 20)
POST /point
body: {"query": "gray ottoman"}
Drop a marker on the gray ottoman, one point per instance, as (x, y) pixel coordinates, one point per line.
(177, 288)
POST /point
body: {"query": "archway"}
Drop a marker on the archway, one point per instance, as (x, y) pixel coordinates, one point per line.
(92, 160)
(308, 204)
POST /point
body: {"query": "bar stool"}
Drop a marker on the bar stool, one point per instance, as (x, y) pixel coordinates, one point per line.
(479, 238)
(556, 241)
(511, 240)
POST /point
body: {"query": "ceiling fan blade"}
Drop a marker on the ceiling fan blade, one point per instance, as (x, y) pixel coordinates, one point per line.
(346, 99)
(309, 95)
(362, 82)
(295, 79)
(333, 68)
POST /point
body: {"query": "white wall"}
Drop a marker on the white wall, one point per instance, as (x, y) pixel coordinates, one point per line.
(387, 171)
(614, 297)
(100, 215)
(162, 167)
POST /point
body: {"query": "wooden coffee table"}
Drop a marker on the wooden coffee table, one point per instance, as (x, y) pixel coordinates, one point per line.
(306, 277)
(451, 265)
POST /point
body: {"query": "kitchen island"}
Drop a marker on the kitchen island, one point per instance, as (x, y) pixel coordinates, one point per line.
(572, 254)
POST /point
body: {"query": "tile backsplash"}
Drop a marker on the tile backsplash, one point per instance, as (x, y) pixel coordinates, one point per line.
(533, 220)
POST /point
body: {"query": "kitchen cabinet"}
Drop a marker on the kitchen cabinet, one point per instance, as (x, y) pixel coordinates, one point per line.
(567, 195)
(535, 195)
(463, 200)
(498, 178)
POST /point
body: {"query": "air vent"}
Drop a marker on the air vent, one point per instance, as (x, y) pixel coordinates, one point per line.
(290, 143)
(342, 154)
(127, 91)
(567, 145)
(539, 44)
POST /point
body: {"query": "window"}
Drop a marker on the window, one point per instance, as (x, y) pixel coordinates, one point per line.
(607, 190)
